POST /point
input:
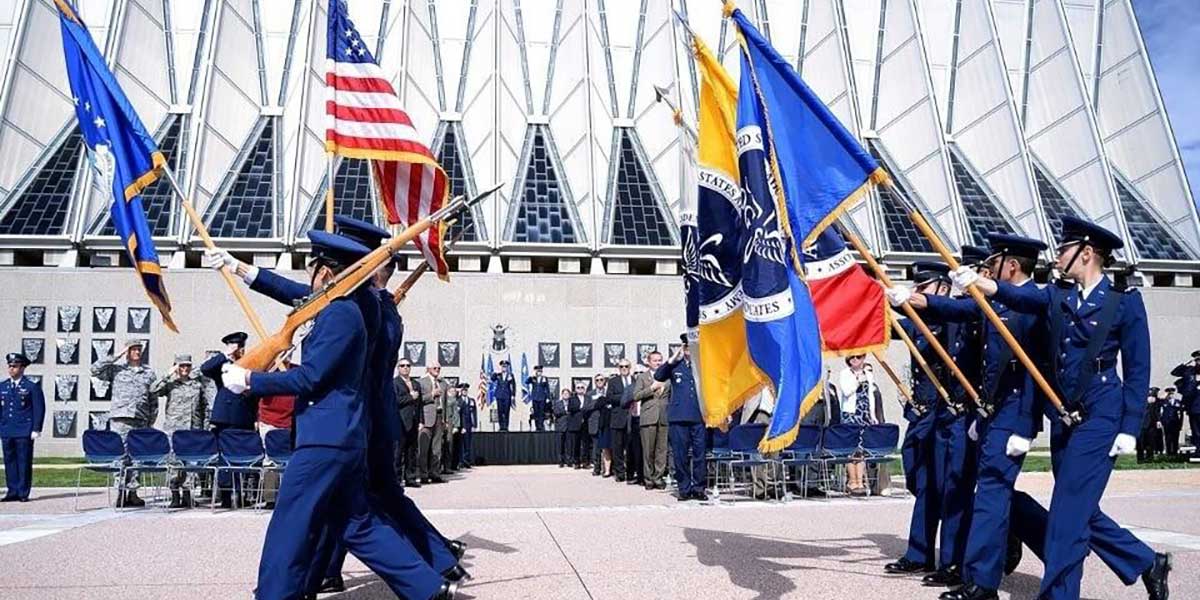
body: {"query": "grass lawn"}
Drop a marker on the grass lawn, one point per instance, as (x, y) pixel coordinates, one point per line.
(63, 478)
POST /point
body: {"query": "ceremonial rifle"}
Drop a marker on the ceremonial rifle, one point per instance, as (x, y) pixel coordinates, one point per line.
(260, 357)
(402, 291)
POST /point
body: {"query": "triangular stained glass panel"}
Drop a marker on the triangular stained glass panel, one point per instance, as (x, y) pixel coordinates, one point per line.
(902, 234)
(158, 200)
(637, 216)
(352, 196)
(982, 215)
(454, 162)
(1153, 240)
(542, 213)
(1054, 202)
(42, 207)
(248, 208)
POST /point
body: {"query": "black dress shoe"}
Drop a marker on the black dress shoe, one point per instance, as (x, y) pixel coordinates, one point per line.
(176, 500)
(447, 591)
(332, 584)
(619, 478)
(946, 577)
(457, 548)
(970, 592)
(132, 500)
(1155, 577)
(413, 483)
(1013, 554)
(456, 574)
(436, 479)
(701, 496)
(905, 567)
(8, 499)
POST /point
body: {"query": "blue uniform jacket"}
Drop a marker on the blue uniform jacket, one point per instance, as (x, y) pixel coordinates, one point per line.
(539, 392)
(1190, 390)
(506, 388)
(1015, 405)
(22, 408)
(1105, 395)
(327, 383)
(385, 413)
(237, 410)
(684, 404)
(468, 414)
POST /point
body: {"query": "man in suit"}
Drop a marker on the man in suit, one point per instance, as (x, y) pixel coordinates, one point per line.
(576, 426)
(561, 422)
(408, 397)
(624, 427)
(506, 392)
(597, 426)
(433, 424)
(539, 397)
(22, 412)
(653, 397)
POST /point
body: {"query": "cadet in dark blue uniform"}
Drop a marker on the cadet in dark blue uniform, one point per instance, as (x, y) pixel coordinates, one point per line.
(539, 397)
(322, 487)
(1009, 414)
(920, 471)
(506, 391)
(685, 424)
(468, 418)
(230, 410)
(1088, 322)
(22, 412)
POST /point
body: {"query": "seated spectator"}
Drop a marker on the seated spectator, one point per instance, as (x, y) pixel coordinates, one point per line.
(857, 391)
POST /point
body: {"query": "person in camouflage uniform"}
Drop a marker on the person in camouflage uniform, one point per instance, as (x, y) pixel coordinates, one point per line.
(132, 405)
(187, 403)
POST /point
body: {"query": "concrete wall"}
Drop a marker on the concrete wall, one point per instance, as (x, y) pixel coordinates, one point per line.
(564, 309)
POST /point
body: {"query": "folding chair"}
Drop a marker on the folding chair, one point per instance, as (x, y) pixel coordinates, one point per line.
(242, 454)
(196, 452)
(103, 452)
(800, 456)
(743, 442)
(839, 445)
(879, 443)
(149, 452)
(718, 456)
(278, 446)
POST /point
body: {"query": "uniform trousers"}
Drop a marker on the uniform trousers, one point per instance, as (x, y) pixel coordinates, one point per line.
(539, 416)
(955, 464)
(687, 450)
(429, 451)
(920, 478)
(633, 451)
(983, 561)
(323, 488)
(18, 466)
(503, 411)
(1194, 423)
(122, 426)
(654, 452)
(468, 449)
(405, 463)
(1171, 431)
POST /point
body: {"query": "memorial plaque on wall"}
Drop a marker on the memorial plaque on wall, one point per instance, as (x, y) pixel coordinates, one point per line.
(613, 353)
(448, 354)
(643, 350)
(66, 388)
(64, 423)
(453, 381)
(548, 354)
(33, 318)
(101, 390)
(673, 348)
(553, 381)
(98, 420)
(102, 319)
(68, 351)
(33, 349)
(68, 319)
(139, 320)
(102, 348)
(415, 353)
(581, 355)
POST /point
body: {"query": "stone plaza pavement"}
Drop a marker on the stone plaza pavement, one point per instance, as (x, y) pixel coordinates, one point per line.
(542, 532)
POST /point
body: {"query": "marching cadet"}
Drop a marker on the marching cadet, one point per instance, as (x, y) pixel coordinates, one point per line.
(1009, 414)
(323, 485)
(187, 404)
(1088, 321)
(22, 412)
(506, 392)
(229, 410)
(1172, 421)
(539, 397)
(131, 381)
(920, 472)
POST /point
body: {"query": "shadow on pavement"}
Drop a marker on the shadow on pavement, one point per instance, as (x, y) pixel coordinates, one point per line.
(751, 561)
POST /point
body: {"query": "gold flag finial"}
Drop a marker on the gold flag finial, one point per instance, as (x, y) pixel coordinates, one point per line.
(727, 8)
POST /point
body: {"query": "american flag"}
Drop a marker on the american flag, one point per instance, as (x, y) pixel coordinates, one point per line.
(365, 120)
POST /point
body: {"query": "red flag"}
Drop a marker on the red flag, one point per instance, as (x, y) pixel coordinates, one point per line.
(851, 308)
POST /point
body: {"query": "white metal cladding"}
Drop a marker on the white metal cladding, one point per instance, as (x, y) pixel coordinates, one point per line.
(1063, 85)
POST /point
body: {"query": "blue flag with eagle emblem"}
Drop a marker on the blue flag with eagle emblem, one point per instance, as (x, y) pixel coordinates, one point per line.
(123, 154)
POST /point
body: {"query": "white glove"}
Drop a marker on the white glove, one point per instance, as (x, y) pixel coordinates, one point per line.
(33, 435)
(971, 433)
(1124, 444)
(215, 259)
(235, 378)
(897, 295)
(963, 277)
(1017, 445)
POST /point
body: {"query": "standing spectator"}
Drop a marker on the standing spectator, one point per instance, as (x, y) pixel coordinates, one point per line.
(408, 397)
(468, 420)
(562, 421)
(539, 397)
(187, 404)
(1189, 389)
(1172, 422)
(433, 425)
(230, 410)
(620, 388)
(505, 392)
(451, 441)
(857, 391)
(131, 381)
(653, 397)
(1150, 439)
(274, 412)
(599, 430)
(686, 428)
(22, 412)
(576, 426)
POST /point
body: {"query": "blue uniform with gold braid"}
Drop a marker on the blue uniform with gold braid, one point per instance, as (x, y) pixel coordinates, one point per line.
(22, 412)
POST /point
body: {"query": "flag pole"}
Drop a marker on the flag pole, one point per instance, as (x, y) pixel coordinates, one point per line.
(916, 354)
(198, 223)
(329, 176)
(911, 313)
(990, 313)
(891, 373)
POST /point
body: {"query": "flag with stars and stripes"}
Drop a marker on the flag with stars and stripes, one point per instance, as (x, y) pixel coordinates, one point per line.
(124, 156)
(365, 120)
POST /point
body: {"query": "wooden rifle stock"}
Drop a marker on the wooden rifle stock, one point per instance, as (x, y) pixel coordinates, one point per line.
(402, 291)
